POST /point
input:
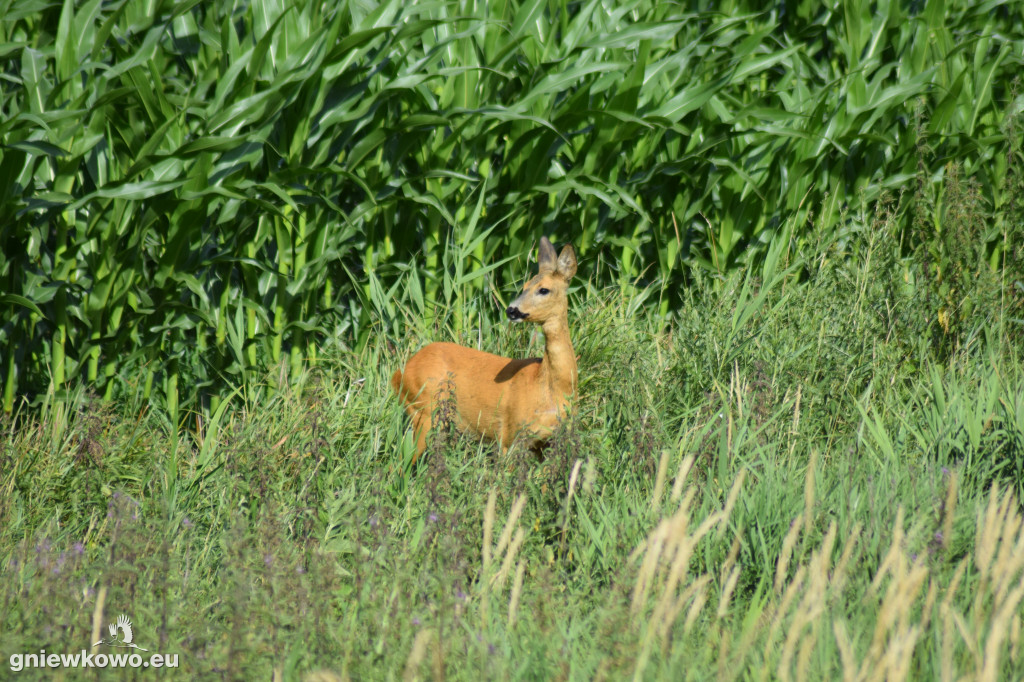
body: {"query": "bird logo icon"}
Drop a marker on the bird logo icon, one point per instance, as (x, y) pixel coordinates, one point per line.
(120, 634)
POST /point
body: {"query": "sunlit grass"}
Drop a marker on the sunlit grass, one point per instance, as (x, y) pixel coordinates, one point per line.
(784, 483)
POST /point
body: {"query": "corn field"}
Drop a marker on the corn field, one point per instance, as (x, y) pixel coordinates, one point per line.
(192, 193)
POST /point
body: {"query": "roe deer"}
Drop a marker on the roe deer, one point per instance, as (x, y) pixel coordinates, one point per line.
(499, 398)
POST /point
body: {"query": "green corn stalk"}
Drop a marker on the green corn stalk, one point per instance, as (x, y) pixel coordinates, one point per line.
(296, 357)
(268, 172)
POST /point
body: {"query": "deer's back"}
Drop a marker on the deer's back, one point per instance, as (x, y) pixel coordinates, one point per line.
(490, 391)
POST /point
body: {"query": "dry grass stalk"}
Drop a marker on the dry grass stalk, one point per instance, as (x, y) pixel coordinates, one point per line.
(911, 604)
(778, 614)
(654, 545)
(729, 576)
(812, 465)
(506, 565)
(680, 546)
(573, 479)
(417, 654)
(510, 524)
(1009, 558)
(738, 387)
(895, 635)
(724, 671)
(659, 481)
(667, 552)
(821, 559)
(325, 675)
(948, 642)
(898, 656)
(846, 655)
(652, 549)
(1015, 629)
(1001, 546)
(667, 611)
(730, 502)
(517, 589)
(795, 429)
(969, 638)
(732, 556)
(684, 470)
(700, 598)
(839, 573)
(811, 607)
(803, 658)
(491, 579)
(954, 583)
(726, 596)
(788, 543)
(893, 558)
(986, 535)
(999, 628)
(97, 613)
(929, 604)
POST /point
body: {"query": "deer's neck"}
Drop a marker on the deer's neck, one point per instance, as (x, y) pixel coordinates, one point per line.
(558, 367)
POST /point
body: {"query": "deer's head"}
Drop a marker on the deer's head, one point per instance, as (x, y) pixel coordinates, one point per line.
(545, 296)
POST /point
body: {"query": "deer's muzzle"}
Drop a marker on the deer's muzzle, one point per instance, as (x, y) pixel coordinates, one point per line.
(515, 314)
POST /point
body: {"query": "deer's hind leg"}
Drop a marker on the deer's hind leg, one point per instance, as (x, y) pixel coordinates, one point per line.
(420, 429)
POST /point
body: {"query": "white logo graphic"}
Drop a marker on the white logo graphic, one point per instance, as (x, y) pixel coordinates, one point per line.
(125, 640)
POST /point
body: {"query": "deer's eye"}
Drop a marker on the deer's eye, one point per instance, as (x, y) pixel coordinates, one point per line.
(543, 292)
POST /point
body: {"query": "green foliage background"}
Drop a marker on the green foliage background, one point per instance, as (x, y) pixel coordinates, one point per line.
(191, 192)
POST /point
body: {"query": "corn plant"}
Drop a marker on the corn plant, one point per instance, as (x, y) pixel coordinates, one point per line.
(191, 193)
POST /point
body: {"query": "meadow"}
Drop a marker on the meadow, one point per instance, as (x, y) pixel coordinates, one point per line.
(797, 449)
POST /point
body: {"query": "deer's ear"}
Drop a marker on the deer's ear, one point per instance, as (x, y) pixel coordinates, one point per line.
(546, 256)
(567, 262)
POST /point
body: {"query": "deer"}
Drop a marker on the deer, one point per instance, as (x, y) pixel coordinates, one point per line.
(499, 399)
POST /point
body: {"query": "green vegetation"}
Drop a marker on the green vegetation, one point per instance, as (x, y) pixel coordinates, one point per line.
(195, 193)
(798, 449)
(787, 482)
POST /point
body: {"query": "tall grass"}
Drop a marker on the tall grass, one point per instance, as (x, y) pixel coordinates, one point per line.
(790, 481)
(193, 193)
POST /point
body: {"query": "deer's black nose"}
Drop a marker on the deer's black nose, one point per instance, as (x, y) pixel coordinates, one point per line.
(515, 314)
